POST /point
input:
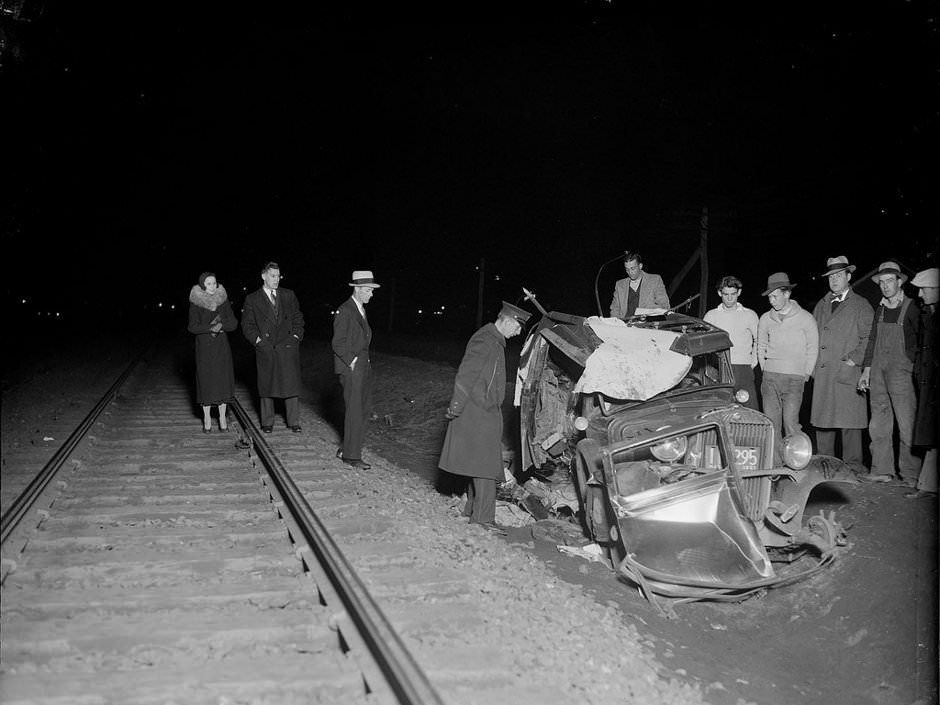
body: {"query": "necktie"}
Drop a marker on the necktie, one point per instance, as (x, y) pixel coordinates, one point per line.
(274, 298)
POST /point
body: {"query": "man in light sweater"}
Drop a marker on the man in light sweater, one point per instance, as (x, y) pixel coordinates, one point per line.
(787, 347)
(741, 325)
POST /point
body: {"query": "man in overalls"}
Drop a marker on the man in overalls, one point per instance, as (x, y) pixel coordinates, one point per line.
(888, 373)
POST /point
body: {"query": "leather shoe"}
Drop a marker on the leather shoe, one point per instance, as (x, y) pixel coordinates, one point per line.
(296, 429)
(361, 464)
(339, 452)
(491, 526)
(267, 429)
(919, 494)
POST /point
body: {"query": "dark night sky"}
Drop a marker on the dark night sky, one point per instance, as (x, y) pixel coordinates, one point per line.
(543, 139)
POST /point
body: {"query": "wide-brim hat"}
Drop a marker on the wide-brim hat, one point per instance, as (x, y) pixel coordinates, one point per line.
(928, 277)
(838, 264)
(363, 277)
(888, 268)
(778, 280)
(511, 311)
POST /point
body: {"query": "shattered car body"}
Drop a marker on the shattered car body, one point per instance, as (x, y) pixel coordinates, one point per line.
(692, 494)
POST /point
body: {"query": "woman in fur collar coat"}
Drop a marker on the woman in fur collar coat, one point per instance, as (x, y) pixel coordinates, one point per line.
(210, 319)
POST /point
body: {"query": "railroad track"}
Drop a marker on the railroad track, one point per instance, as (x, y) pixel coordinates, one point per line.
(146, 564)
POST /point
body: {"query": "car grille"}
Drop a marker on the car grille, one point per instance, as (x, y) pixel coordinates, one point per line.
(755, 491)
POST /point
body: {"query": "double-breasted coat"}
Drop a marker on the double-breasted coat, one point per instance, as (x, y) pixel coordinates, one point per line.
(473, 443)
(215, 378)
(843, 335)
(277, 353)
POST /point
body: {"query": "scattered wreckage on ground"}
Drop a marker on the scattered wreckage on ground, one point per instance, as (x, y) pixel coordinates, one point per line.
(691, 494)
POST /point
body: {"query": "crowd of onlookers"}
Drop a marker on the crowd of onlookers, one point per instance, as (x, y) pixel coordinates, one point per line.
(872, 368)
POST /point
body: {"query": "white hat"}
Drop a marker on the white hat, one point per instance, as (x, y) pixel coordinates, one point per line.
(928, 277)
(363, 277)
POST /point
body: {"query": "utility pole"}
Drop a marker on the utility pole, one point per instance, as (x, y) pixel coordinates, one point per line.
(480, 293)
(703, 254)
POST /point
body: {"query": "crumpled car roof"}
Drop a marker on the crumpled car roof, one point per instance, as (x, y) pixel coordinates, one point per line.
(633, 360)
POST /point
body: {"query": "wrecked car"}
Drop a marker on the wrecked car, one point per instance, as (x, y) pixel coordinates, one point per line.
(691, 494)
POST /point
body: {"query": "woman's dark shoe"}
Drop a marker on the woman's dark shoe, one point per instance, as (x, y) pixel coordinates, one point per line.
(206, 429)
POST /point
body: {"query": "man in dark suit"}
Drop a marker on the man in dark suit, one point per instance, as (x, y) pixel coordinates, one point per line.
(274, 324)
(473, 441)
(351, 338)
(638, 289)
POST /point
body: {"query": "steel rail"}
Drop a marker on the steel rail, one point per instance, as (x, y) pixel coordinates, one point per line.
(22, 505)
(405, 678)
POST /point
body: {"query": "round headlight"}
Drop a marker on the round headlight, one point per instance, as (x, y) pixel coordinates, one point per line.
(671, 450)
(742, 396)
(797, 450)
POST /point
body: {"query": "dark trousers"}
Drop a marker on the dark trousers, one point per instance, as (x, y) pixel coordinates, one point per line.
(851, 444)
(481, 500)
(291, 411)
(357, 396)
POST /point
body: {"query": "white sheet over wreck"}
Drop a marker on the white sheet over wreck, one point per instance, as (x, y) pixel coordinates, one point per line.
(631, 363)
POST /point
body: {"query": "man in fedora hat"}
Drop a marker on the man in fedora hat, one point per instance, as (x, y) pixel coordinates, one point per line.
(888, 374)
(787, 346)
(844, 321)
(473, 441)
(927, 379)
(274, 324)
(351, 338)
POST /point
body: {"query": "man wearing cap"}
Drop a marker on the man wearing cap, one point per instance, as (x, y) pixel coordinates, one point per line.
(787, 346)
(844, 321)
(473, 442)
(638, 289)
(925, 375)
(351, 338)
(274, 324)
(887, 374)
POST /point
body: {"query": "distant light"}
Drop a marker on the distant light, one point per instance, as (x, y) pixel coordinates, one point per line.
(496, 278)
(420, 311)
(442, 308)
(160, 305)
(22, 301)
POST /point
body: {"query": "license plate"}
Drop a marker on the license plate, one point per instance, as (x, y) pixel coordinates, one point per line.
(746, 457)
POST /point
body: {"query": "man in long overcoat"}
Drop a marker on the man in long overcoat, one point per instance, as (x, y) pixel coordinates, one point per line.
(928, 381)
(844, 320)
(473, 442)
(351, 338)
(274, 324)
